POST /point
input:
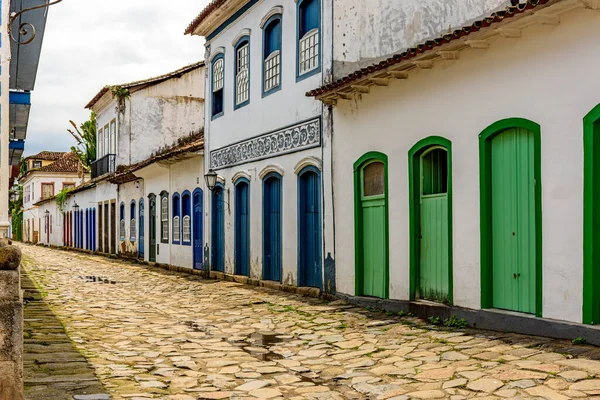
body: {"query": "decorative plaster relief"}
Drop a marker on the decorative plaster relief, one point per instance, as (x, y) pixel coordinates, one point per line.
(305, 162)
(302, 136)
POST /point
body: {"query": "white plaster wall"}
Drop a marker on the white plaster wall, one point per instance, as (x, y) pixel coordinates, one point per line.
(175, 177)
(185, 175)
(289, 216)
(41, 177)
(156, 179)
(127, 192)
(365, 31)
(457, 100)
(277, 110)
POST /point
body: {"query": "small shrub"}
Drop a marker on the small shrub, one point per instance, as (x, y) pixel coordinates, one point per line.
(401, 314)
(579, 340)
(453, 322)
(434, 320)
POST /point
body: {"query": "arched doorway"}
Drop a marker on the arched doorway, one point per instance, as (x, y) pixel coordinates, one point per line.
(371, 225)
(242, 227)
(430, 173)
(218, 229)
(309, 227)
(272, 257)
(511, 219)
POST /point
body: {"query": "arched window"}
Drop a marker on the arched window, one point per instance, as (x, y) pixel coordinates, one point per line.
(176, 219)
(132, 226)
(242, 72)
(309, 22)
(186, 221)
(122, 219)
(164, 217)
(218, 82)
(272, 54)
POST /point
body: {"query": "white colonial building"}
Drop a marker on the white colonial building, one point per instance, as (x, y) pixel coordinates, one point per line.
(465, 163)
(270, 210)
(47, 174)
(148, 175)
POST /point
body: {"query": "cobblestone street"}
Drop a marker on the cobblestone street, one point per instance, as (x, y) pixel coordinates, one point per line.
(153, 334)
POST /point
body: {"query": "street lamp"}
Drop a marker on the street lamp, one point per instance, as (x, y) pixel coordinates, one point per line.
(211, 179)
(75, 207)
(211, 182)
(47, 213)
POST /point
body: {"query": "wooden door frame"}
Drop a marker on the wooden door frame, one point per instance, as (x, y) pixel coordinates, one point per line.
(200, 192)
(235, 222)
(279, 177)
(141, 225)
(591, 215)
(317, 171)
(213, 231)
(485, 190)
(414, 172)
(358, 223)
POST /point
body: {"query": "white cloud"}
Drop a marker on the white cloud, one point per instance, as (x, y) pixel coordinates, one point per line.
(89, 44)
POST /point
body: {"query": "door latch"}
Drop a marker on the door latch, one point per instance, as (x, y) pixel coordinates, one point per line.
(515, 275)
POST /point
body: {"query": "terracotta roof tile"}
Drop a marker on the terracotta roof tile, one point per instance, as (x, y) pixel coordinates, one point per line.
(419, 49)
(150, 81)
(47, 155)
(212, 6)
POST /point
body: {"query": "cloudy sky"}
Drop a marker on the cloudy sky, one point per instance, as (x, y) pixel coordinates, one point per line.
(89, 44)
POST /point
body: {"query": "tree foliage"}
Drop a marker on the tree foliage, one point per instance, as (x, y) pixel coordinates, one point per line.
(16, 211)
(85, 136)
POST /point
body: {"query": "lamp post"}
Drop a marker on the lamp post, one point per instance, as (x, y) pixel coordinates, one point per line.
(75, 207)
(211, 183)
(211, 179)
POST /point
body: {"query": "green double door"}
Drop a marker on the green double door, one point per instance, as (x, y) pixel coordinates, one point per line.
(373, 214)
(434, 263)
(513, 230)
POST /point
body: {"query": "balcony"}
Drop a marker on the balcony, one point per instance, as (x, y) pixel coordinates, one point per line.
(104, 165)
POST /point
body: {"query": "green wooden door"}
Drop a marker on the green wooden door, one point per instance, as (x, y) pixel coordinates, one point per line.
(513, 220)
(433, 209)
(374, 233)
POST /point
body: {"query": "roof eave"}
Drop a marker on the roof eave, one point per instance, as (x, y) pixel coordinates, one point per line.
(425, 56)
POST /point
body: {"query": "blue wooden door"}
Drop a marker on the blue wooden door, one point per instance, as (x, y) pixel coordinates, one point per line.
(242, 228)
(141, 229)
(152, 227)
(272, 228)
(197, 228)
(218, 230)
(309, 228)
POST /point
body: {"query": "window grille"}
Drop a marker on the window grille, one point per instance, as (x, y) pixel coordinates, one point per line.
(164, 216)
(241, 78)
(309, 51)
(187, 231)
(122, 229)
(217, 75)
(176, 229)
(132, 230)
(272, 70)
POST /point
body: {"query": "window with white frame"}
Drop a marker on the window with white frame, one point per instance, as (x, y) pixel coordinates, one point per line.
(113, 137)
(132, 226)
(100, 144)
(272, 54)
(242, 84)
(217, 85)
(308, 34)
(176, 221)
(187, 231)
(185, 209)
(122, 221)
(106, 139)
(164, 218)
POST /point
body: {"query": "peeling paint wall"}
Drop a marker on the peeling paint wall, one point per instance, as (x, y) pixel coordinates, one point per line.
(367, 31)
(156, 117)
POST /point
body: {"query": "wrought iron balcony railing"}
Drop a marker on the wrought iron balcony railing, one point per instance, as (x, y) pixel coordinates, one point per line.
(104, 165)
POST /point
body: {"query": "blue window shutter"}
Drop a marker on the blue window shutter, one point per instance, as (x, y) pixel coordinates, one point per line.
(309, 16)
(272, 37)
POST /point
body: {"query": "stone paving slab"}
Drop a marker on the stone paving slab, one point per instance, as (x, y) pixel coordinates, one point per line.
(53, 368)
(156, 334)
